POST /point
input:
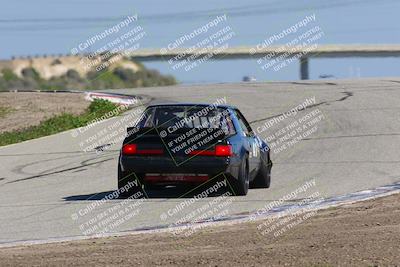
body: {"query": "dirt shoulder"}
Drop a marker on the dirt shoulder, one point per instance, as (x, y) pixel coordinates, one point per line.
(361, 234)
(23, 109)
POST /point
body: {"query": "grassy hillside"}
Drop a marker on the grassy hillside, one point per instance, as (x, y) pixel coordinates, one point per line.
(106, 79)
(60, 123)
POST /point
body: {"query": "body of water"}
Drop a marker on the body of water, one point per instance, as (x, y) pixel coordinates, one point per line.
(55, 27)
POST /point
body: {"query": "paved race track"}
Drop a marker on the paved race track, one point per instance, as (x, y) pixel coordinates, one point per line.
(45, 183)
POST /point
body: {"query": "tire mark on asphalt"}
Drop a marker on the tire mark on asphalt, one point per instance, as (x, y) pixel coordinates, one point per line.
(318, 84)
(43, 153)
(56, 172)
(347, 95)
(352, 136)
(19, 168)
(354, 87)
(79, 170)
(393, 81)
(81, 163)
(344, 136)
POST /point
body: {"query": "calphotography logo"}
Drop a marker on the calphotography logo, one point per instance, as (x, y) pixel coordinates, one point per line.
(107, 32)
(200, 45)
(99, 217)
(192, 214)
(98, 137)
(106, 48)
(300, 39)
(283, 217)
(286, 130)
(199, 128)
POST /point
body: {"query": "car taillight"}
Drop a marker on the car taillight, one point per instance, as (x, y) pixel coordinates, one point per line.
(220, 151)
(131, 149)
(223, 150)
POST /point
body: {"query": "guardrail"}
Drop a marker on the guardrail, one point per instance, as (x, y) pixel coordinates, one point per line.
(120, 99)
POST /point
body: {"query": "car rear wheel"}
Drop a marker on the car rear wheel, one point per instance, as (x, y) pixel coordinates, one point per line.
(263, 178)
(241, 185)
(128, 181)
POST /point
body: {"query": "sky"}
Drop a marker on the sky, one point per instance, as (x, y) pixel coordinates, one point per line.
(55, 27)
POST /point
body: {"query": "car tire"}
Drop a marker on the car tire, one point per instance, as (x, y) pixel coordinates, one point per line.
(123, 179)
(263, 178)
(241, 185)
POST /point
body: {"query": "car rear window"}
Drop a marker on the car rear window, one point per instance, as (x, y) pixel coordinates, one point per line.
(187, 117)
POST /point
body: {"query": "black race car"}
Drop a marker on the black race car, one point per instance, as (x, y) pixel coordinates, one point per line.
(192, 143)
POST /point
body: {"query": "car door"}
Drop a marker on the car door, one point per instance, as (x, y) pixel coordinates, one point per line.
(254, 148)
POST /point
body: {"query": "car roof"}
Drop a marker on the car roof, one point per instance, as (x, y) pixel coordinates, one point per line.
(190, 104)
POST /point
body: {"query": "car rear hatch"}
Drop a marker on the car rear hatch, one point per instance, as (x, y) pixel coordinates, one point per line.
(187, 154)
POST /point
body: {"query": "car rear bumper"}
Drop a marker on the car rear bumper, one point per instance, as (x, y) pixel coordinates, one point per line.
(196, 165)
